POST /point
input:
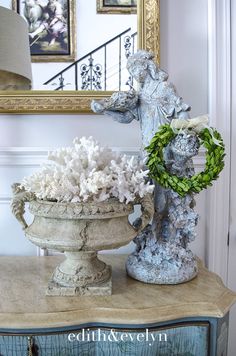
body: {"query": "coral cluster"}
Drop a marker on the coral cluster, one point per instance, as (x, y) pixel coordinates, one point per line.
(88, 172)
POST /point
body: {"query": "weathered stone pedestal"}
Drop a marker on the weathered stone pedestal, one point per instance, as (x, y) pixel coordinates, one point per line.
(82, 273)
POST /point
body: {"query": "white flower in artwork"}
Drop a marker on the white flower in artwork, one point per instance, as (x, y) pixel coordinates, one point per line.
(88, 172)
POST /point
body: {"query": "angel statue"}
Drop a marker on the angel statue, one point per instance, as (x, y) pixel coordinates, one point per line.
(162, 255)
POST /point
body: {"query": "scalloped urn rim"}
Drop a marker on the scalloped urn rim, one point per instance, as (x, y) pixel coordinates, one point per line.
(80, 210)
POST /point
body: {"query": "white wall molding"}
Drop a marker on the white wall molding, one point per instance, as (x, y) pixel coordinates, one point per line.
(20, 156)
(5, 199)
(232, 235)
(34, 156)
(232, 239)
(219, 27)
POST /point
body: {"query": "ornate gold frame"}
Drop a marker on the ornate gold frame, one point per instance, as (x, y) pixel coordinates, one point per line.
(72, 38)
(101, 9)
(51, 102)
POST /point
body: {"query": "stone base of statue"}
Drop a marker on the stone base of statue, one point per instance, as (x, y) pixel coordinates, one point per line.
(160, 262)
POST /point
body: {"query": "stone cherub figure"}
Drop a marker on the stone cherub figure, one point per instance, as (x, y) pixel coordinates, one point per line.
(162, 254)
(156, 102)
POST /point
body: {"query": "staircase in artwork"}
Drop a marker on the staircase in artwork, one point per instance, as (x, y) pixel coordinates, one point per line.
(104, 68)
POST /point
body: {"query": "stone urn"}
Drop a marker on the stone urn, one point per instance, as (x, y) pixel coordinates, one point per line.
(80, 230)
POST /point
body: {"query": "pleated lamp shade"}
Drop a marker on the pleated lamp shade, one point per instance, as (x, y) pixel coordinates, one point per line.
(15, 61)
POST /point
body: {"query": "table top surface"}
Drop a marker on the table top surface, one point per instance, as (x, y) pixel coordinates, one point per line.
(23, 304)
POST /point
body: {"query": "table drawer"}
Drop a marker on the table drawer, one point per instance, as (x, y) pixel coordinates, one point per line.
(183, 339)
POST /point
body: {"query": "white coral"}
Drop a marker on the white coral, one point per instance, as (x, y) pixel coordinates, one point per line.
(88, 171)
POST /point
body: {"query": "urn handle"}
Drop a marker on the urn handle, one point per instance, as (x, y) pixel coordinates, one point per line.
(147, 208)
(20, 197)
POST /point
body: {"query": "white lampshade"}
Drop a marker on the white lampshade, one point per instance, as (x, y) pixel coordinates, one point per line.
(15, 61)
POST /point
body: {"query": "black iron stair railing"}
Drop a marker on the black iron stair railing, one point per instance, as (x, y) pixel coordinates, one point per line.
(96, 76)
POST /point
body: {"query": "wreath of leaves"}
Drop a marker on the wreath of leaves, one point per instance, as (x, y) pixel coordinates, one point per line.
(182, 185)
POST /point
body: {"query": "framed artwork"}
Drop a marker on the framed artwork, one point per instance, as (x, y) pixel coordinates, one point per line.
(51, 25)
(73, 102)
(117, 6)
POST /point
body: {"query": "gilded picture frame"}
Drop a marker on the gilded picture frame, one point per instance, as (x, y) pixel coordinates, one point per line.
(51, 26)
(116, 6)
(74, 102)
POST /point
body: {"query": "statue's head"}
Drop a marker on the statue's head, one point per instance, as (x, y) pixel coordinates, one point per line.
(141, 64)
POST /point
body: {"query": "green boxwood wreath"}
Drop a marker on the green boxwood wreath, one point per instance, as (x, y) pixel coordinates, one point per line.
(214, 162)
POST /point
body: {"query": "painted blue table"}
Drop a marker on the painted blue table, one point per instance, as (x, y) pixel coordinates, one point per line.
(137, 320)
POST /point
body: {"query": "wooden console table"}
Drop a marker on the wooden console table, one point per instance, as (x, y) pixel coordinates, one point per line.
(141, 319)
